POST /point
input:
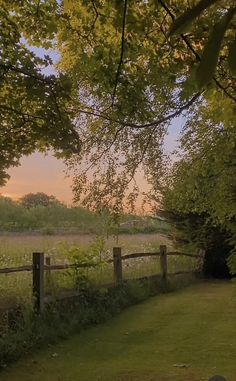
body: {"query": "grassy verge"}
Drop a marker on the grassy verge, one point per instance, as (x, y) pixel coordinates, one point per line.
(186, 335)
(24, 331)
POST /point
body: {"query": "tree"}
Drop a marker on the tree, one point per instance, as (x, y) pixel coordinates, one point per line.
(200, 192)
(130, 80)
(32, 200)
(124, 79)
(33, 106)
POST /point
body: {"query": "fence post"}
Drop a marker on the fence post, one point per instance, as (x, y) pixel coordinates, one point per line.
(117, 262)
(48, 271)
(163, 262)
(38, 281)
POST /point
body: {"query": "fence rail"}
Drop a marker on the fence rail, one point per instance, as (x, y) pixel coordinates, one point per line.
(41, 264)
(139, 255)
(9, 270)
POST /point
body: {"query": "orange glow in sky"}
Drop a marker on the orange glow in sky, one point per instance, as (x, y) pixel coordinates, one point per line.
(39, 173)
(44, 173)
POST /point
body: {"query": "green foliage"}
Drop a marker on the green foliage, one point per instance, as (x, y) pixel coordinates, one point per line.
(31, 215)
(208, 62)
(137, 291)
(201, 186)
(232, 262)
(33, 105)
(32, 200)
(145, 341)
(86, 257)
(109, 82)
(124, 103)
(182, 23)
(91, 307)
(210, 55)
(45, 214)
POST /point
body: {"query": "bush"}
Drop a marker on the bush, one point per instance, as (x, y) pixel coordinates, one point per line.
(195, 231)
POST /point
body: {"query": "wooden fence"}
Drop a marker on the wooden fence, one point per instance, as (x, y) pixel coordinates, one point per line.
(41, 264)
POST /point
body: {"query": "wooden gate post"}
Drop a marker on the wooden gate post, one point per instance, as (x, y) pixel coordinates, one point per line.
(38, 282)
(117, 262)
(163, 261)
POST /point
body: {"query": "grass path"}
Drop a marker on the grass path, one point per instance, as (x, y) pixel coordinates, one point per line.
(195, 326)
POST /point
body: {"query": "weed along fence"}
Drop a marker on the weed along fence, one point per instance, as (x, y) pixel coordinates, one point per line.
(118, 258)
(41, 272)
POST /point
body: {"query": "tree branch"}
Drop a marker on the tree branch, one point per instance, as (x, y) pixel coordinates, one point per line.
(39, 78)
(95, 18)
(23, 114)
(121, 52)
(188, 44)
(160, 120)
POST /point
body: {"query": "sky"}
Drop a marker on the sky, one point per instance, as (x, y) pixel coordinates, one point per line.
(39, 173)
(45, 173)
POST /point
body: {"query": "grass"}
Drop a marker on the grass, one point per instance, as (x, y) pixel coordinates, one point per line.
(186, 335)
(17, 251)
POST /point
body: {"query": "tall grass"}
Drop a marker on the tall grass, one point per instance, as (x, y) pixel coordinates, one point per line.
(17, 288)
(21, 330)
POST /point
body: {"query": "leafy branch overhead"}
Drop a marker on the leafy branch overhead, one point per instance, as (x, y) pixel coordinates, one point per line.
(210, 56)
(33, 106)
(121, 80)
(129, 83)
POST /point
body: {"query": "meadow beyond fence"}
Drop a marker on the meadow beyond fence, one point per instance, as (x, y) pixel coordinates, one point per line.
(44, 287)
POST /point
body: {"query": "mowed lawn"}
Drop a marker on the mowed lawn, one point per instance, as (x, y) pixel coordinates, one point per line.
(185, 335)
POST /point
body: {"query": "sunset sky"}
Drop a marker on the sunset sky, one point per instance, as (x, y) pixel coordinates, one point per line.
(40, 173)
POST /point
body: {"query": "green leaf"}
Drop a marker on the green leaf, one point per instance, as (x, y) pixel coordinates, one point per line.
(232, 58)
(207, 66)
(182, 23)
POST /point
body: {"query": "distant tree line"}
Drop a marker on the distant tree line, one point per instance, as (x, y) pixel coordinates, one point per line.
(46, 214)
(39, 211)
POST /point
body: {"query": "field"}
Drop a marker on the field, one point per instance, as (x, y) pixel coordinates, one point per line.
(17, 247)
(16, 250)
(189, 335)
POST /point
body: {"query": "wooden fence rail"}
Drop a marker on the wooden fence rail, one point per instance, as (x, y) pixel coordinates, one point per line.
(139, 255)
(41, 265)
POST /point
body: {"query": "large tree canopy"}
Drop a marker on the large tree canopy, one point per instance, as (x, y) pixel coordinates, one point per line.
(134, 69)
(131, 79)
(33, 106)
(127, 69)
